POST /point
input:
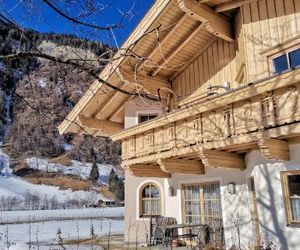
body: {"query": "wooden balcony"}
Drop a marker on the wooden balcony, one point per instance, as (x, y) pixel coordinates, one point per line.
(262, 114)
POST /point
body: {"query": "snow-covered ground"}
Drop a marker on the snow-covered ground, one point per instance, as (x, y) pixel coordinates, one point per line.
(43, 235)
(14, 187)
(59, 214)
(77, 168)
(11, 185)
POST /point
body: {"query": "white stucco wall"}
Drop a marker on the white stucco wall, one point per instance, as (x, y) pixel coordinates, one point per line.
(137, 106)
(231, 203)
(136, 228)
(269, 194)
(270, 202)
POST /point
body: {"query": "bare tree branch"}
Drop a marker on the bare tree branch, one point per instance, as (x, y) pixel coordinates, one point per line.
(74, 20)
(21, 55)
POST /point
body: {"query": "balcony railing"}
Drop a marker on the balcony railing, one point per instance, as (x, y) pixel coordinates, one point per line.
(259, 106)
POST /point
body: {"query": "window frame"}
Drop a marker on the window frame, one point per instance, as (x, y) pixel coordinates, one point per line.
(287, 198)
(285, 51)
(141, 212)
(201, 199)
(146, 114)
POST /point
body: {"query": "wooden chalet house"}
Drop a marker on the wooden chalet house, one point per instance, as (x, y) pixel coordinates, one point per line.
(224, 138)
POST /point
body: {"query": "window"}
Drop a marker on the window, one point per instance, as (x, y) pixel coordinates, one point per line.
(280, 64)
(202, 204)
(294, 57)
(144, 118)
(286, 61)
(291, 188)
(150, 200)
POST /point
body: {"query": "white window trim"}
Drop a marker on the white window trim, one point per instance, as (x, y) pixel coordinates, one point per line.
(145, 112)
(280, 50)
(138, 190)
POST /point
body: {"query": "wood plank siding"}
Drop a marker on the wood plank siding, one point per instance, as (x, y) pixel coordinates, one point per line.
(266, 24)
(214, 66)
(259, 26)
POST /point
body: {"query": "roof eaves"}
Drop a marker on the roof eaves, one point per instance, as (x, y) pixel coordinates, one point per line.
(138, 32)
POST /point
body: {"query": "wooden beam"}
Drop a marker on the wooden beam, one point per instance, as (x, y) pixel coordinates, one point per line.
(221, 159)
(143, 82)
(119, 115)
(274, 149)
(160, 7)
(232, 5)
(108, 127)
(178, 49)
(181, 166)
(214, 22)
(162, 43)
(144, 170)
(114, 103)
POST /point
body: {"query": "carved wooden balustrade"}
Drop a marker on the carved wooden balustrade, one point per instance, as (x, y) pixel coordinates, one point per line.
(268, 104)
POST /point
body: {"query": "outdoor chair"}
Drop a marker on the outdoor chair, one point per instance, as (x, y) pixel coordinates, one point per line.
(160, 234)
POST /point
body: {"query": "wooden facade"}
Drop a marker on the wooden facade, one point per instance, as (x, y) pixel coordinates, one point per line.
(212, 62)
(236, 121)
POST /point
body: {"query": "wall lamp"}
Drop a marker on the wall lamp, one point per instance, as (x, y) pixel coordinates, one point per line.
(231, 188)
(171, 191)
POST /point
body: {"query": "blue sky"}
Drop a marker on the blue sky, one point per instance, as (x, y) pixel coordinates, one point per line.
(40, 17)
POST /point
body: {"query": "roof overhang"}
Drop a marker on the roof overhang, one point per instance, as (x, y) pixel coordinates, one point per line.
(169, 37)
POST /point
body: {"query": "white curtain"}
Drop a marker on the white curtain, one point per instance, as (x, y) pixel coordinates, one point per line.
(296, 209)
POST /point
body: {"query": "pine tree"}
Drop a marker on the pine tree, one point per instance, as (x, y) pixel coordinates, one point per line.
(111, 177)
(116, 185)
(94, 174)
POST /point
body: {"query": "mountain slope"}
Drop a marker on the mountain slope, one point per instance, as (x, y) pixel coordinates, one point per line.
(48, 92)
(35, 96)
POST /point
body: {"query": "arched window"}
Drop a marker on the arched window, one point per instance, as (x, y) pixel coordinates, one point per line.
(150, 200)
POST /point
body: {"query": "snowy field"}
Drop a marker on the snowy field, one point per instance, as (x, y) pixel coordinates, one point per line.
(43, 235)
(11, 185)
(59, 214)
(17, 194)
(77, 168)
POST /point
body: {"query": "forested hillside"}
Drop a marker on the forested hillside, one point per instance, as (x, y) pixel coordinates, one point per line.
(37, 94)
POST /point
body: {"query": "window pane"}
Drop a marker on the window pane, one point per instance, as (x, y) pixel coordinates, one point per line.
(207, 208)
(195, 192)
(296, 209)
(144, 118)
(280, 63)
(207, 191)
(196, 220)
(294, 185)
(188, 208)
(150, 117)
(188, 219)
(155, 207)
(196, 207)
(146, 192)
(294, 192)
(154, 192)
(188, 193)
(295, 58)
(216, 209)
(215, 190)
(145, 206)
